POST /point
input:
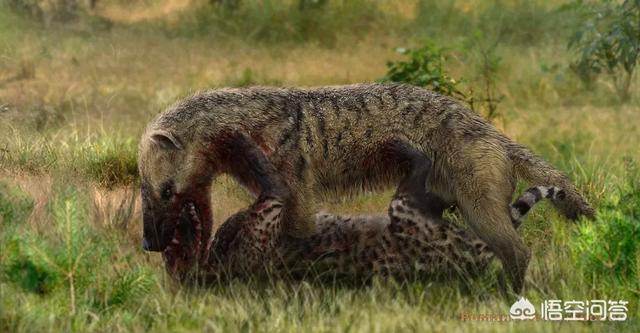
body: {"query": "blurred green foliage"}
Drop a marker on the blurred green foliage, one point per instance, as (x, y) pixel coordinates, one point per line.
(15, 205)
(274, 21)
(607, 41)
(69, 257)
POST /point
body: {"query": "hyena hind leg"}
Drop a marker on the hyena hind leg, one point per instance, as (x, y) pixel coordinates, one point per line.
(488, 214)
(492, 224)
(416, 167)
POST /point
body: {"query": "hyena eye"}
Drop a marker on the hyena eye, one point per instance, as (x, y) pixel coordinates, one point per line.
(167, 191)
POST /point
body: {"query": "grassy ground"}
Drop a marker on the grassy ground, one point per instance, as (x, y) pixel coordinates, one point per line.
(75, 96)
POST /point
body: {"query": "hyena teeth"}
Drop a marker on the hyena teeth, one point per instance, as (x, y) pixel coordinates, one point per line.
(192, 212)
(175, 241)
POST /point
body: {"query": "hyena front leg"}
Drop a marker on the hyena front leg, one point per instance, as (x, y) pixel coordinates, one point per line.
(242, 158)
(253, 232)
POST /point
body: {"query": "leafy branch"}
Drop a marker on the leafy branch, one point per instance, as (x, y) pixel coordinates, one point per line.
(608, 41)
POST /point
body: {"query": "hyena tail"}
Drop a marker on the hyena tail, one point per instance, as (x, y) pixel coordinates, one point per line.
(530, 197)
(535, 170)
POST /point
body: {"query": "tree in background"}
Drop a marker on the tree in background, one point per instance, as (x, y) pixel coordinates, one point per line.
(607, 42)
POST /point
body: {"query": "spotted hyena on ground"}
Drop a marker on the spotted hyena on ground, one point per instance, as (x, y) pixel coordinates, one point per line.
(413, 240)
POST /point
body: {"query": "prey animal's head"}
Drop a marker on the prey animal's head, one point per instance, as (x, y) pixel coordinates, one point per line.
(174, 173)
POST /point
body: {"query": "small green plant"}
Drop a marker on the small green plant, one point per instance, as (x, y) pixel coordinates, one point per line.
(425, 68)
(129, 286)
(42, 264)
(15, 205)
(608, 41)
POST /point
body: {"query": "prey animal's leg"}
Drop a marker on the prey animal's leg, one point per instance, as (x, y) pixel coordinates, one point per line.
(190, 251)
(241, 244)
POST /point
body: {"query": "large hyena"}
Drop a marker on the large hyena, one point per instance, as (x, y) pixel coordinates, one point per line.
(339, 140)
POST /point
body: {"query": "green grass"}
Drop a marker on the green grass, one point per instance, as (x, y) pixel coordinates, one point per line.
(78, 274)
(283, 22)
(107, 160)
(75, 97)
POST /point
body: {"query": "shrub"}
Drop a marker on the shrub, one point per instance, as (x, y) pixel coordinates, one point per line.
(608, 41)
(424, 68)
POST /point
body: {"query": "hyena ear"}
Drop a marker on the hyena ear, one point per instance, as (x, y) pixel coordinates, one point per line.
(166, 140)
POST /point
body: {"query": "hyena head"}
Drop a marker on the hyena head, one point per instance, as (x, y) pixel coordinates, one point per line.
(174, 173)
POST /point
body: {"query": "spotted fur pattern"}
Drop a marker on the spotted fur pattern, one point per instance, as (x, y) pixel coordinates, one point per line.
(406, 243)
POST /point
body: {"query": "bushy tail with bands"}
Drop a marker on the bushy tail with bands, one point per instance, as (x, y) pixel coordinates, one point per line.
(530, 197)
(536, 171)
